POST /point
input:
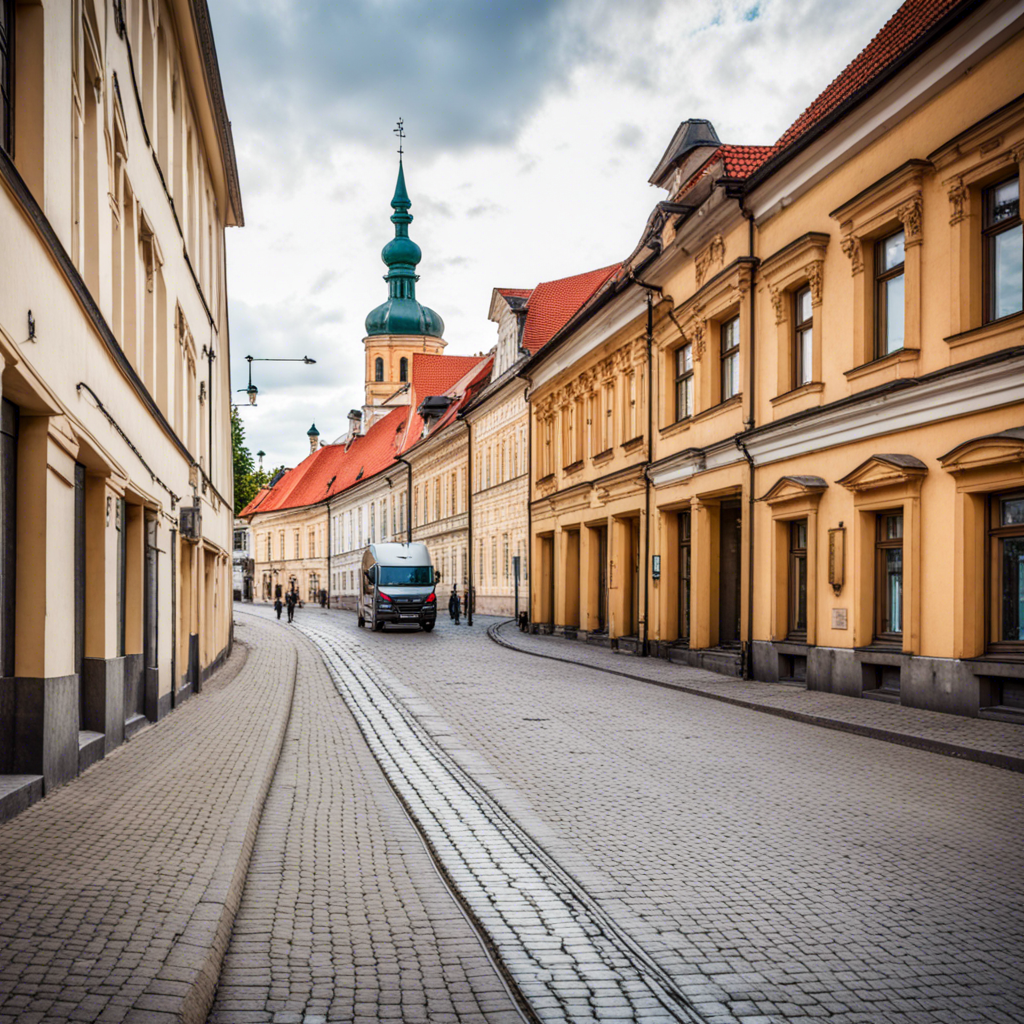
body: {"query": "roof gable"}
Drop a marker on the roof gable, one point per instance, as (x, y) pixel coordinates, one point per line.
(553, 304)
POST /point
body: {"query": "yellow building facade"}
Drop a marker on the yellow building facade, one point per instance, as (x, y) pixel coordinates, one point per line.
(822, 340)
(117, 181)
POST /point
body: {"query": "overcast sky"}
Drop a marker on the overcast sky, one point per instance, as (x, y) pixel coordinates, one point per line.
(532, 128)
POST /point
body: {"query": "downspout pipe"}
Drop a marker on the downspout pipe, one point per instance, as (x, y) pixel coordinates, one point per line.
(529, 493)
(408, 499)
(748, 425)
(645, 649)
(328, 587)
(469, 521)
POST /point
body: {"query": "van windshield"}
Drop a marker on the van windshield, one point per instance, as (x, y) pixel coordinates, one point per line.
(406, 575)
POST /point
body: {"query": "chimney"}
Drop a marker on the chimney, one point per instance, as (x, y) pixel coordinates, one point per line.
(314, 438)
(355, 424)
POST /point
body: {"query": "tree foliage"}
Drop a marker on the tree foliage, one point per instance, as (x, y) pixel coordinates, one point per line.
(247, 481)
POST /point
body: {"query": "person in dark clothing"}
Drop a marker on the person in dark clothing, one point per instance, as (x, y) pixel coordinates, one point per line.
(323, 598)
(290, 601)
(278, 606)
(454, 606)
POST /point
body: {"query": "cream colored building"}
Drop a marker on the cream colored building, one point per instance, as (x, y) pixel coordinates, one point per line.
(786, 439)
(117, 180)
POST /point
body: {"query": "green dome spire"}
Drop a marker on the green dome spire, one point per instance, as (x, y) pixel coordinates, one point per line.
(402, 314)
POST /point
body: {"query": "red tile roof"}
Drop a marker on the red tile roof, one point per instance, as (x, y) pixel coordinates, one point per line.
(436, 374)
(903, 30)
(475, 385)
(913, 19)
(553, 303)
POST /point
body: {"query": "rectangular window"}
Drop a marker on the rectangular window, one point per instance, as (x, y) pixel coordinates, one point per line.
(609, 417)
(889, 577)
(803, 341)
(1003, 250)
(798, 580)
(454, 494)
(890, 305)
(1006, 536)
(684, 382)
(685, 563)
(730, 348)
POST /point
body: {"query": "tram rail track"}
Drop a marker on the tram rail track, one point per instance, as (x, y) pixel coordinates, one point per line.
(564, 956)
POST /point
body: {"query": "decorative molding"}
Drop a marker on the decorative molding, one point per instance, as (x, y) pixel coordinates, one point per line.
(778, 304)
(883, 471)
(910, 217)
(792, 488)
(815, 278)
(853, 250)
(713, 254)
(949, 394)
(1002, 449)
(957, 199)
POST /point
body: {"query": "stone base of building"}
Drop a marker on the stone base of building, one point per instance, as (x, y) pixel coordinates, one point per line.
(498, 604)
(39, 728)
(972, 687)
(18, 792)
(103, 699)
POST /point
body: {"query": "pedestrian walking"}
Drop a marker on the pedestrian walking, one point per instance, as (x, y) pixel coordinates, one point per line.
(278, 606)
(290, 601)
(323, 598)
(454, 605)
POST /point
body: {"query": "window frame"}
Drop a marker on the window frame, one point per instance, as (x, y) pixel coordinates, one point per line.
(378, 370)
(994, 533)
(801, 327)
(727, 355)
(403, 370)
(684, 379)
(882, 278)
(797, 555)
(881, 610)
(989, 233)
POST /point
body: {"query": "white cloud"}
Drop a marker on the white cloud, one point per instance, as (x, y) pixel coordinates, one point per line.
(517, 174)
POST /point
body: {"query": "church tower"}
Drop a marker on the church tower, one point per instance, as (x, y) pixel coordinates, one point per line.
(400, 326)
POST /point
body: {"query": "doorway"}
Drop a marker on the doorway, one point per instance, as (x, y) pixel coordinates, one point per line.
(729, 542)
(8, 530)
(150, 618)
(79, 585)
(601, 536)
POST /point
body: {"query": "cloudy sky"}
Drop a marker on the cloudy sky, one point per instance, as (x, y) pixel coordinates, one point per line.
(532, 128)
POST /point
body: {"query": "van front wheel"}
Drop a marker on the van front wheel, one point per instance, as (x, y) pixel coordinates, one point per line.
(377, 626)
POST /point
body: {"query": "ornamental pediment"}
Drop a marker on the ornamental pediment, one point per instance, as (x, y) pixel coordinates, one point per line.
(1000, 449)
(884, 471)
(793, 488)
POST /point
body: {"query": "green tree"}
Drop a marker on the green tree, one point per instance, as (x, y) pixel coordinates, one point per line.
(246, 474)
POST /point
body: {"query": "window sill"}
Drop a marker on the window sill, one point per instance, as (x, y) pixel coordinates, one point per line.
(993, 329)
(604, 456)
(810, 388)
(676, 428)
(730, 403)
(573, 467)
(632, 444)
(549, 479)
(902, 355)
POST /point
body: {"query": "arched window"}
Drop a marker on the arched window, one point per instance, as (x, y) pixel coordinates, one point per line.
(403, 369)
(378, 369)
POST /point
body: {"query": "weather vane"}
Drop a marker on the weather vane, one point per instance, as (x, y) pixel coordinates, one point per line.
(400, 132)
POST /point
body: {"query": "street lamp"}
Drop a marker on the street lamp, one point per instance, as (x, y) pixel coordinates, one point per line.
(251, 390)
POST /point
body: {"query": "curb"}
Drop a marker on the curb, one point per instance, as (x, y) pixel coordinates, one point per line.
(186, 984)
(988, 757)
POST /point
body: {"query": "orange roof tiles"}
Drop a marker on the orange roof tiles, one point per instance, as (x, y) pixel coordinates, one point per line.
(436, 374)
(553, 303)
(913, 19)
(515, 293)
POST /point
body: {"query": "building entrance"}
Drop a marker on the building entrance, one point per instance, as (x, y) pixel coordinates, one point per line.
(730, 522)
(601, 536)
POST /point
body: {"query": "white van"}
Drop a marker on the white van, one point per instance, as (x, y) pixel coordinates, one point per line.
(397, 586)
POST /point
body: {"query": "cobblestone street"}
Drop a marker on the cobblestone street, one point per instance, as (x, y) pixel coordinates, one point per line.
(774, 870)
(444, 828)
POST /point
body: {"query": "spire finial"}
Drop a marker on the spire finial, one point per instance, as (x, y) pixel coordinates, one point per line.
(400, 132)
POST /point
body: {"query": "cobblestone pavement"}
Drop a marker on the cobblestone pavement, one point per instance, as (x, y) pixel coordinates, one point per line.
(773, 869)
(344, 917)
(117, 890)
(997, 743)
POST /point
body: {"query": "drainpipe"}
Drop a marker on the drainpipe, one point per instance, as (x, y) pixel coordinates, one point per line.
(209, 407)
(529, 493)
(646, 645)
(749, 425)
(469, 521)
(328, 587)
(408, 500)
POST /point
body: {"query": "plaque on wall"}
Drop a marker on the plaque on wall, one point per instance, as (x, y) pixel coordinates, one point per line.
(839, 618)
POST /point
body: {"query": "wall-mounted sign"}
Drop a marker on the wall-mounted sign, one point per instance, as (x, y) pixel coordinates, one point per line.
(839, 618)
(656, 567)
(836, 558)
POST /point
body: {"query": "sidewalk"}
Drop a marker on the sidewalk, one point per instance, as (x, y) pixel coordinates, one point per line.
(995, 743)
(120, 889)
